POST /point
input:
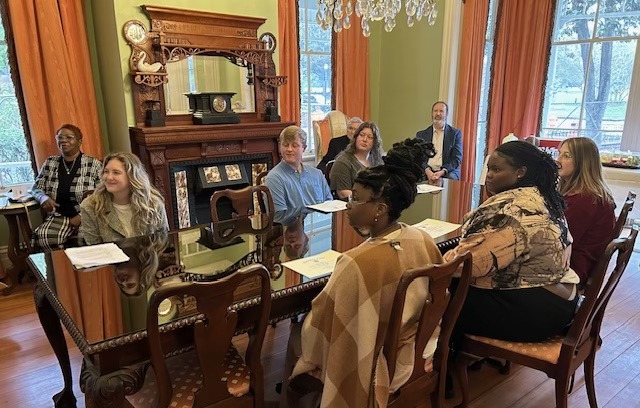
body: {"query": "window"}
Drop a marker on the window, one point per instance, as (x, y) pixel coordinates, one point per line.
(15, 161)
(481, 136)
(315, 68)
(591, 69)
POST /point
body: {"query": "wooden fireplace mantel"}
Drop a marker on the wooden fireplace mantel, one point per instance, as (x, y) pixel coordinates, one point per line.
(158, 147)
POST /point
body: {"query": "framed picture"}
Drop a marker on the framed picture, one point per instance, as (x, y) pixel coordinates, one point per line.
(221, 175)
(212, 174)
(233, 172)
(182, 199)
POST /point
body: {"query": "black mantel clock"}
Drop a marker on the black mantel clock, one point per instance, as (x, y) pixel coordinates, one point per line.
(212, 108)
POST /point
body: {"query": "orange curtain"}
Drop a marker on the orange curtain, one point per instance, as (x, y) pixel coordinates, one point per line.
(519, 70)
(472, 43)
(54, 64)
(350, 79)
(289, 49)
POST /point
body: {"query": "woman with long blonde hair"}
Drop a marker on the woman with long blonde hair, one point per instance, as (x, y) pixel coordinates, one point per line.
(589, 201)
(124, 205)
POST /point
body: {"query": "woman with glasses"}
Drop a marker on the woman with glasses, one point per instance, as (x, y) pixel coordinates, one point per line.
(522, 287)
(589, 201)
(125, 205)
(363, 151)
(60, 187)
(342, 336)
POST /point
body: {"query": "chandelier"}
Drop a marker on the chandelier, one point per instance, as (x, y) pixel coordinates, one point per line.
(337, 13)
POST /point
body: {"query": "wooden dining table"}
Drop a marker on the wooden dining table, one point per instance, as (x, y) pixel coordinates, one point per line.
(104, 308)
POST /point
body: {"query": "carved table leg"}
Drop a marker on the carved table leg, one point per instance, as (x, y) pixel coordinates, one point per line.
(109, 390)
(53, 329)
(13, 252)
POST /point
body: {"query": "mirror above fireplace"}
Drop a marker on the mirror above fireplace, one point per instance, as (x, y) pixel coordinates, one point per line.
(187, 51)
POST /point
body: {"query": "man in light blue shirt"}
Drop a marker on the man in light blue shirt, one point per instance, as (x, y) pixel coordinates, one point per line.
(292, 183)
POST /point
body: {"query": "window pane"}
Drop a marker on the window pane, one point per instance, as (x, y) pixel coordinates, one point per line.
(574, 20)
(15, 163)
(619, 18)
(315, 69)
(607, 90)
(319, 39)
(563, 97)
(302, 27)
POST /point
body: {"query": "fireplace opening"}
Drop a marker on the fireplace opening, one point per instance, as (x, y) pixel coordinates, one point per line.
(194, 182)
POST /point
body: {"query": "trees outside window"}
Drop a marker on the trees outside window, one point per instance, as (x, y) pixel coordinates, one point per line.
(315, 68)
(15, 161)
(591, 69)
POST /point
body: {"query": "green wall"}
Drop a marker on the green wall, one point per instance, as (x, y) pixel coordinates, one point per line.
(404, 76)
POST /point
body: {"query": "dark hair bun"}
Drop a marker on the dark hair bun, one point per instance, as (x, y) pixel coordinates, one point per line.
(408, 158)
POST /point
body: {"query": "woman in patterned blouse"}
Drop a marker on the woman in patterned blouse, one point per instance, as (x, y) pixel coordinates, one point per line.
(523, 288)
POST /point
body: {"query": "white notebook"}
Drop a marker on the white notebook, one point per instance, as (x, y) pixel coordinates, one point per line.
(315, 266)
(329, 206)
(96, 255)
(436, 228)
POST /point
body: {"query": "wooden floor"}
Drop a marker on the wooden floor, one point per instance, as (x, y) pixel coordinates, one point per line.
(29, 374)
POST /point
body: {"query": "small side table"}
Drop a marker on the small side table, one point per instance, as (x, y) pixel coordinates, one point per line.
(17, 215)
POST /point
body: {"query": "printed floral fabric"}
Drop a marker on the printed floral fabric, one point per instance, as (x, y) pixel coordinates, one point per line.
(516, 243)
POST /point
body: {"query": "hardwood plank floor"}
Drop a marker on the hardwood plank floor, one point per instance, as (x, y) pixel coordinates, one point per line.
(30, 375)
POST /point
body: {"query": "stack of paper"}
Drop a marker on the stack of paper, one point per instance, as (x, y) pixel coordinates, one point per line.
(436, 228)
(329, 206)
(315, 266)
(428, 188)
(96, 255)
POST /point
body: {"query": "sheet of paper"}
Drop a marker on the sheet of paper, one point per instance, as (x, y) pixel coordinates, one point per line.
(315, 266)
(436, 228)
(329, 206)
(428, 188)
(96, 255)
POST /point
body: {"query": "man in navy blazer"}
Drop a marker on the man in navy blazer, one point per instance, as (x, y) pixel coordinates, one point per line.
(447, 143)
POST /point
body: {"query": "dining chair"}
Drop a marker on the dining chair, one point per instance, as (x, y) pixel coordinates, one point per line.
(624, 214)
(441, 307)
(333, 125)
(252, 211)
(559, 357)
(260, 177)
(214, 374)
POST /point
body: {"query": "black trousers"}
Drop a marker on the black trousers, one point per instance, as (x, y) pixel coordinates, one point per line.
(531, 314)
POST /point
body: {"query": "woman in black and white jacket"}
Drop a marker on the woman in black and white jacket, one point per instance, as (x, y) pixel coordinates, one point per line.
(60, 187)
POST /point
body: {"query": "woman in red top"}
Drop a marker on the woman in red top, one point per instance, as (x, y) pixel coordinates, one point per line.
(589, 201)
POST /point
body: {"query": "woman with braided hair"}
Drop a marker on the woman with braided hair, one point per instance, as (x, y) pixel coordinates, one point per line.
(342, 336)
(523, 288)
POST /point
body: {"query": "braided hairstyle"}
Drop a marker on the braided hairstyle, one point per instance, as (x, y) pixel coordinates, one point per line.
(542, 172)
(395, 180)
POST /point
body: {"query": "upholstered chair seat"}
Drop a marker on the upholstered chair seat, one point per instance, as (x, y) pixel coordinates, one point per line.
(186, 378)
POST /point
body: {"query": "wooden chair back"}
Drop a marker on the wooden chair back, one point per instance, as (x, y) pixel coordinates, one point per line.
(585, 329)
(213, 331)
(333, 125)
(253, 212)
(440, 308)
(260, 177)
(624, 214)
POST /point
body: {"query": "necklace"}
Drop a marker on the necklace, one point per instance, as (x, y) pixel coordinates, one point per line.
(68, 169)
